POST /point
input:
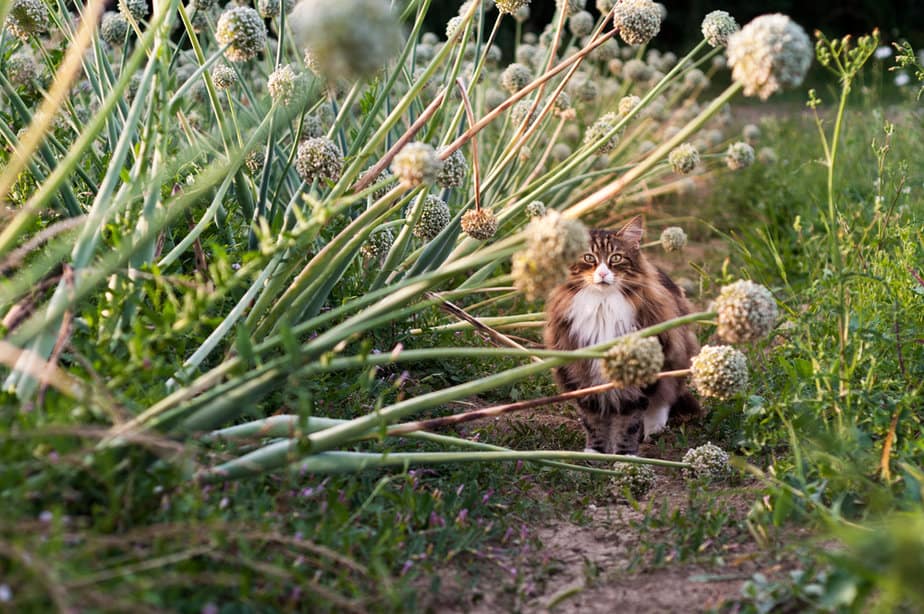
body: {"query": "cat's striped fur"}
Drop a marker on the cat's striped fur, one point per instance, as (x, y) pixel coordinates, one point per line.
(611, 291)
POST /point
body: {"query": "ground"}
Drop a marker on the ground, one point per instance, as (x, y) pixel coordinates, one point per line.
(679, 549)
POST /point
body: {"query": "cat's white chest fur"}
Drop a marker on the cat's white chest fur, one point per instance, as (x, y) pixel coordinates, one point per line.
(600, 314)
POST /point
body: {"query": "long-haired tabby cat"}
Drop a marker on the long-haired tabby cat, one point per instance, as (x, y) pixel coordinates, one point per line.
(612, 291)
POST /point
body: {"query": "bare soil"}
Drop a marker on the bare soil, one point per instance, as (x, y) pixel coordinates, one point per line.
(606, 557)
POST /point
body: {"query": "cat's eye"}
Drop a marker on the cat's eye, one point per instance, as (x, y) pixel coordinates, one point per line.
(590, 259)
(615, 259)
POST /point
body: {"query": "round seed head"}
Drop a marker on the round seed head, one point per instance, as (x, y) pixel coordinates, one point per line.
(138, 9)
(519, 112)
(417, 163)
(751, 133)
(429, 38)
(601, 128)
(254, 161)
(318, 158)
(766, 155)
(770, 53)
(510, 7)
(719, 371)
(561, 106)
(553, 243)
(312, 127)
(223, 76)
(349, 39)
(683, 158)
(522, 15)
(627, 104)
(515, 77)
(635, 478)
(695, 78)
(560, 151)
(739, 155)
(22, 69)
(605, 6)
(453, 26)
(581, 23)
(586, 91)
(479, 224)
(638, 21)
(286, 86)
(637, 71)
(673, 239)
(747, 311)
(453, 172)
(525, 54)
(633, 362)
(113, 28)
(615, 67)
(717, 27)
(27, 18)
(434, 216)
(606, 52)
(378, 244)
(707, 461)
(535, 209)
(493, 98)
(268, 9)
(242, 29)
(570, 7)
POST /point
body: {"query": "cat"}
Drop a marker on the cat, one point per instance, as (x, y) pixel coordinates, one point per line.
(611, 291)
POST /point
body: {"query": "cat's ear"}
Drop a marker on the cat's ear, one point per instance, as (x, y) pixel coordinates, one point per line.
(632, 232)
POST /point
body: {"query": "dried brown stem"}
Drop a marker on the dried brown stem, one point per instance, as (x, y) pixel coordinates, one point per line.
(498, 337)
(476, 165)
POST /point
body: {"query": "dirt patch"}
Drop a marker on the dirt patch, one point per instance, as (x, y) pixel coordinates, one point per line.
(677, 550)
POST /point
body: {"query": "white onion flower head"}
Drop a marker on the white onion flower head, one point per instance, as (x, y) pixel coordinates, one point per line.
(378, 243)
(636, 478)
(633, 361)
(719, 371)
(683, 158)
(416, 164)
(434, 217)
(581, 23)
(747, 311)
(637, 71)
(452, 174)
(600, 128)
(638, 21)
(521, 113)
(673, 239)
(113, 28)
(242, 30)
(268, 9)
(318, 158)
(605, 6)
(453, 26)
(522, 14)
(510, 7)
(751, 133)
(515, 77)
(535, 209)
(553, 243)
(695, 78)
(706, 461)
(627, 103)
(587, 91)
(137, 9)
(479, 224)
(27, 18)
(770, 53)
(570, 7)
(223, 76)
(739, 155)
(22, 69)
(767, 155)
(717, 27)
(349, 39)
(286, 86)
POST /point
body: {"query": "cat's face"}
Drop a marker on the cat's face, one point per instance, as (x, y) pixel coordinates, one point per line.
(614, 259)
